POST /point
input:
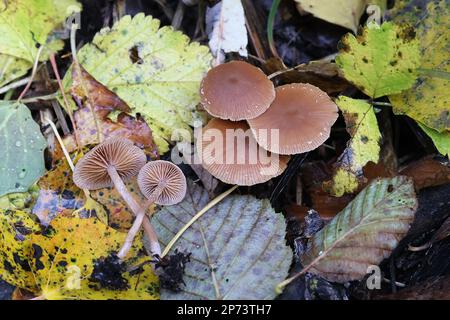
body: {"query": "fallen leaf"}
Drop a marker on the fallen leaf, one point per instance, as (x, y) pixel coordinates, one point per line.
(428, 100)
(441, 140)
(434, 288)
(427, 172)
(345, 13)
(382, 60)
(22, 145)
(364, 146)
(156, 71)
(19, 200)
(25, 26)
(238, 242)
(225, 25)
(365, 232)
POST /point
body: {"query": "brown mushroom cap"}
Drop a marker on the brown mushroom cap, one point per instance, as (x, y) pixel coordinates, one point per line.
(236, 91)
(245, 165)
(302, 113)
(167, 176)
(91, 172)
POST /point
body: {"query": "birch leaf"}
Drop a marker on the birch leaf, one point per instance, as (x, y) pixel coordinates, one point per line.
(238, 250)
(381, 61)
(345, 13)
(365, 232)
(24, 26)
(155, 71)
(225, 25)
(22, 146)
(428, 100)
(363, 146)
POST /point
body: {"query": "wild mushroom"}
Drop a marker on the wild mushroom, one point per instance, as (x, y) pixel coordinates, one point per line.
(236, 91)
(108, 164)
(163, 183)
(230, 153)
(301, 113)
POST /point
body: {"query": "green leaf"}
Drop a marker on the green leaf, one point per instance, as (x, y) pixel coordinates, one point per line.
(428, 100)
(156, 71)
(382, 60)
(440, 139)
(22, 145)
(24, 26)
(345, 13)
(365, 232)
(364, 145)
(238, 247)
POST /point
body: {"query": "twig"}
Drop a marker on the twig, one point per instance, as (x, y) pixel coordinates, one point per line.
(33, 73)
(14, 85)
(196, 217)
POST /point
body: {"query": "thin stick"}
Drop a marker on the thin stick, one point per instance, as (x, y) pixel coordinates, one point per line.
(33, 73)
(196, 217)
(14, 85)
(50, 96)
(63, 147)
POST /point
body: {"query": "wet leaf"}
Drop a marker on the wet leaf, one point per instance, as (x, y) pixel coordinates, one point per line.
(96, 102)
(365, 232)
(427, 172)
(345, 13)
(364, 146)
(24, 26)
(156, 71)
(15, 230)
(238, 242)
(22, 146)
(428, 100)
(381, 61)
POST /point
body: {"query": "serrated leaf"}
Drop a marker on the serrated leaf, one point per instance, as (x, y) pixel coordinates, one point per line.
(238, 247)
(428, 100)
(156, 71)
(364, 146)
(382, 60)
(441, 140)
(365, 232)
(345, 13)
(22, 146)
(24, 26)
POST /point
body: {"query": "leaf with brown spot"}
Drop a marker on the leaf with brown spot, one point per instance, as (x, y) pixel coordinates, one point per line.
(364, 233)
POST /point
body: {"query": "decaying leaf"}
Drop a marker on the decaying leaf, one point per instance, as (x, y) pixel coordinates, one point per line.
(96, 102)
(441, 140)
(237, 248)
(427, 172)
(26, 25)
(225, 25)
(364, 146)
(156, 71)
(365, 232)
(345, 13)
(19, 200)
(428, 100)
(22, 146)
(382, 60)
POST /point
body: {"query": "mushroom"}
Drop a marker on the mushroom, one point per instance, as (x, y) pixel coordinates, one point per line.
(108, 164)
(301, 113)
(236, 91)
(163, 183)
(230, 153)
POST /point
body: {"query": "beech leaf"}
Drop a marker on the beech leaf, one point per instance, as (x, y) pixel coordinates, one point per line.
(238, 250)
(365, 232)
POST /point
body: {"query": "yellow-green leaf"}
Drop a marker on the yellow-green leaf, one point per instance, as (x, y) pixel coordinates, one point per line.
(345, 13)
(156, 71)
(440, 139)
(24, 26)
(428, 101)
(380, 61)
(363, 146)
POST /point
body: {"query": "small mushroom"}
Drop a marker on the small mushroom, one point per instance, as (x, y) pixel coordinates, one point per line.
(230, 153)
(303, 115)
(163, 183)
(236, 91)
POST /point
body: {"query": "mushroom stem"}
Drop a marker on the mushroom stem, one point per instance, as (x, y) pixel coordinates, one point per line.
(137, 210)
(154, 243)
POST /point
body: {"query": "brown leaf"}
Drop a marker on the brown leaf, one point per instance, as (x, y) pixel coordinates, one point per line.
(427, 172)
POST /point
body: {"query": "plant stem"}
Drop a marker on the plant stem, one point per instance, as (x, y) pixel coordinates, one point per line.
(14, 85)
(155, 250)
(134, 206)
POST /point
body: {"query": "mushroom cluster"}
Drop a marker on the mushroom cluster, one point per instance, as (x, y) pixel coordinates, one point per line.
(117, 159)
(290, 119)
